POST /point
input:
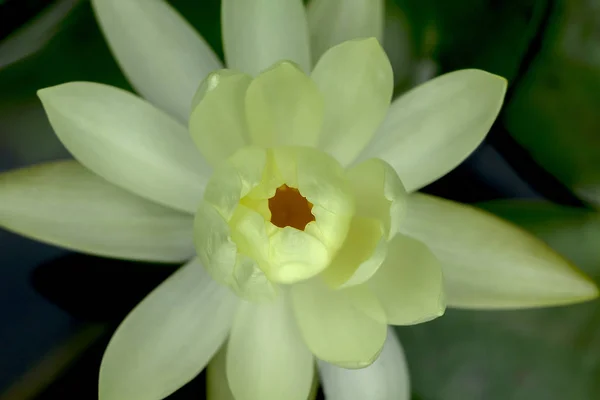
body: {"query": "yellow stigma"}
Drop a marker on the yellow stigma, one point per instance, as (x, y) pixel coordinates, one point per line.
(289, 208)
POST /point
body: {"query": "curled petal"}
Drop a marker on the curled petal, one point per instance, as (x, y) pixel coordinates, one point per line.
(379, 193)
(360, 256)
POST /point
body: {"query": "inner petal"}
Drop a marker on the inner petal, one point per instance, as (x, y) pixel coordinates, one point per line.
(289, 208)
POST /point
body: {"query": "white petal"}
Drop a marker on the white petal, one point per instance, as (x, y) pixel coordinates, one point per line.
(332, 22)
(163, 57)
(64, 204)
(266, 357)
(386, 379)
(217, 386)
(434, 127)
(168, 338)
(128, 142)
(490, 263)
(259, 33)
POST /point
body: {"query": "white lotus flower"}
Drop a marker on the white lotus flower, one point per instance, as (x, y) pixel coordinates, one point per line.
(301, 177)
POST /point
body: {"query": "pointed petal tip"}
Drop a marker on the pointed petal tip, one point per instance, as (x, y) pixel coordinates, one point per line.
(501, 81)
(45, 93)
(285, 65)
(587, 290)
(364, 44)
(356, 364)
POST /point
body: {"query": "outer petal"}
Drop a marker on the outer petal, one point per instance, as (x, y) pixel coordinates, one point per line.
(409, 283)
(218, 121)
(490, 263)
(356, 81)
(284, 107)
(434, 127)
(127, 142)
(332, 22)
(168, 338)
(217, 386)
(259, 33)
(163, 57)
(266, 357)
(386, 379)
(335, 327)
(64, 204)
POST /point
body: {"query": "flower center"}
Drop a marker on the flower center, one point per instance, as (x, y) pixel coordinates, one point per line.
(289, 208)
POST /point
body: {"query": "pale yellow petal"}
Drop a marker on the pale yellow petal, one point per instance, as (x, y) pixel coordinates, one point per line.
(334, 329)
(379, 193)
(218, 121)
(409, 283)
(266, 357)
(356, 81)
(360, 256)
(284, 108)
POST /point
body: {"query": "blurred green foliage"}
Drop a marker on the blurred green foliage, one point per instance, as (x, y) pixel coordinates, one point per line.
(554, 110)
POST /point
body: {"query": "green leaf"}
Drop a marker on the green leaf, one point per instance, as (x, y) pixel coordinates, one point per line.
(490, 35)
(554, 110)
